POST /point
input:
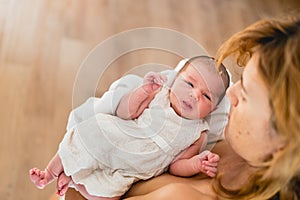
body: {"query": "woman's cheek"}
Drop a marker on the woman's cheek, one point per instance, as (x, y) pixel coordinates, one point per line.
(236, 125)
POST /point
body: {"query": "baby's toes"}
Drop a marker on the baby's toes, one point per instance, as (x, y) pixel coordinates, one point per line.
(34, 176)
(32, 171)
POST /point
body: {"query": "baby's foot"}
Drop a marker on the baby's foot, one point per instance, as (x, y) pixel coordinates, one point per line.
(40, 178)
(37, 177)
(63, 184)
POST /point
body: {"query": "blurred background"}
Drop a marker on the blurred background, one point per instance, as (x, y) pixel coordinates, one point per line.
(44, 42)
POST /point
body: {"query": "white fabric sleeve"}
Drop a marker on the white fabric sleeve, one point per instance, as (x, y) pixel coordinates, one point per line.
(108, 103)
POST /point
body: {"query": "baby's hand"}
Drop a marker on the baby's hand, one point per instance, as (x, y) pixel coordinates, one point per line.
(153, 81)
(208, 162)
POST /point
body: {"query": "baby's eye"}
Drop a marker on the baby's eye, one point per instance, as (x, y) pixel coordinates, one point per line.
(207, 96)
(190, 83)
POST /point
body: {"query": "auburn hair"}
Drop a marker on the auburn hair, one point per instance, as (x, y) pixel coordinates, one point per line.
(277, 43)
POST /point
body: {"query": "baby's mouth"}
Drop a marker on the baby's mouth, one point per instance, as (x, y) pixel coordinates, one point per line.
(186, 104)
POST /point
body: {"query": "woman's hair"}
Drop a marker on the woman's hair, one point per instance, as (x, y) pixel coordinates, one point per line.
(277, 43)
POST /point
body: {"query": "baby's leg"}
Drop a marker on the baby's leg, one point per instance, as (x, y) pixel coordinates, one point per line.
(42, 178)
(84, 193)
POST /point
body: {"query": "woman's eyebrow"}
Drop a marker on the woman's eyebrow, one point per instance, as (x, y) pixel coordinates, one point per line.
(242, 84)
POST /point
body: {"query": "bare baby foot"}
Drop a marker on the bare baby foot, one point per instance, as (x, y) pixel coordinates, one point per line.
(63, 184)
(40, 178)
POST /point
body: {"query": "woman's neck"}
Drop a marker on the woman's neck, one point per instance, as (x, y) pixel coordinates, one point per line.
(235, 170)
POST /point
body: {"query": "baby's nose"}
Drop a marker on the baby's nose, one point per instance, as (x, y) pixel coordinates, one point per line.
(193, 96)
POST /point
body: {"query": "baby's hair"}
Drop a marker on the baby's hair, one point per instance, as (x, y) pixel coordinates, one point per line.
(211, 62)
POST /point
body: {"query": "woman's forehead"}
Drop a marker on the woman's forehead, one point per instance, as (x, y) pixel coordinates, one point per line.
(251, 79)
(257, 94)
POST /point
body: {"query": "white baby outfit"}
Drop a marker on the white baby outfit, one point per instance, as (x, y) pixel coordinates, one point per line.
(107, 154)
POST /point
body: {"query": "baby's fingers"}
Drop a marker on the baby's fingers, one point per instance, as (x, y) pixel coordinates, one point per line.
(210, 164)
(154, 77)
(212, 157)
(160, 79)
(210, 170)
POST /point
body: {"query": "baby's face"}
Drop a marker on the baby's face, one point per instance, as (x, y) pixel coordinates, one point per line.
(195, 92)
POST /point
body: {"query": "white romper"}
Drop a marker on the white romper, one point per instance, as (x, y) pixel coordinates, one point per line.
(107, 154)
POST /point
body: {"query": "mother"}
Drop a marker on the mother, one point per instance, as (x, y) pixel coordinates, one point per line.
(261, 156)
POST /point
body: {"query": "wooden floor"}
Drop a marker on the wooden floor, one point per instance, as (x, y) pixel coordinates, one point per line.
(44, 42)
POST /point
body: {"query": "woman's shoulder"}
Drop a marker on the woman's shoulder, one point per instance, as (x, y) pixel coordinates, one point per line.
(180, 191)
(176, 188)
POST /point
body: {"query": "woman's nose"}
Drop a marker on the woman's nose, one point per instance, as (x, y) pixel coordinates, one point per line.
(231, 94)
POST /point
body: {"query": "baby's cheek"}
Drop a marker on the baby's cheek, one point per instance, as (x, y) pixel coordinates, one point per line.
(204, 110)
(174, 104)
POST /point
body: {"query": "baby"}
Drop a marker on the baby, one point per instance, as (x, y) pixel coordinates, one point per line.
(155, 128)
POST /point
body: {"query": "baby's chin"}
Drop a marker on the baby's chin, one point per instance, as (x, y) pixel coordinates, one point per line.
(175, 108)
(188, 115)
(181, 112)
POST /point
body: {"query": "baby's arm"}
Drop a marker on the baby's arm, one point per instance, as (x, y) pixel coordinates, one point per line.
(190, 162)
(107, 103)
(134, 103)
